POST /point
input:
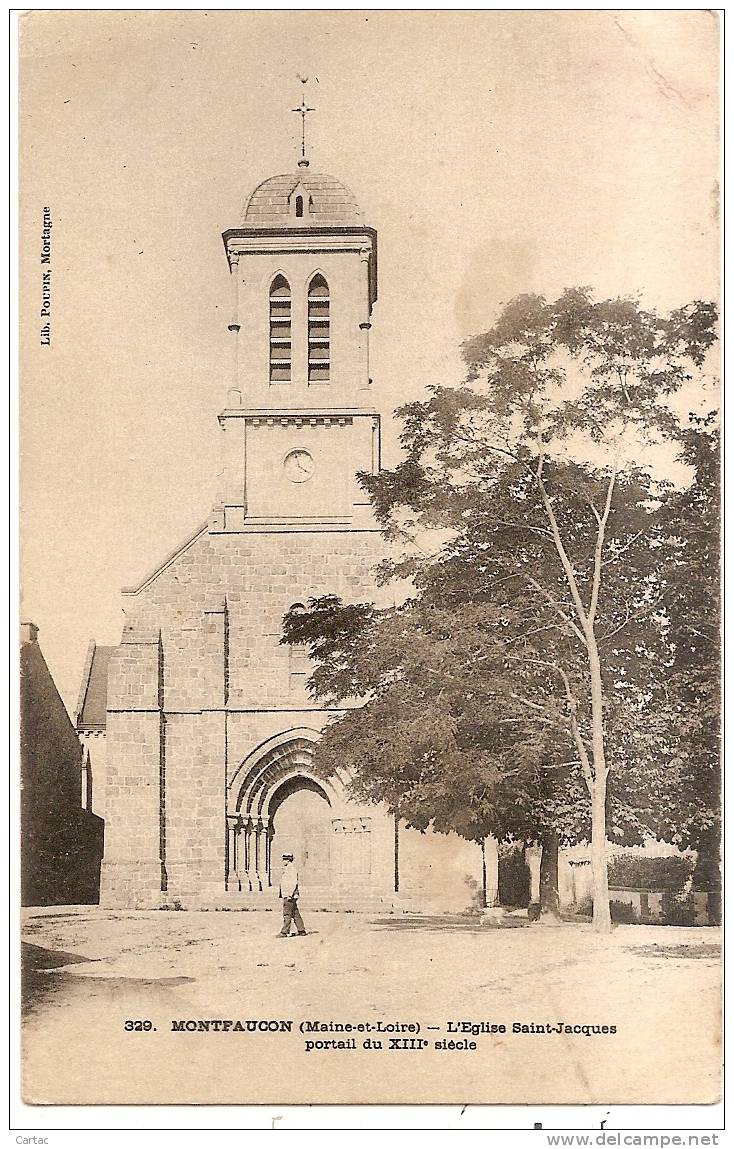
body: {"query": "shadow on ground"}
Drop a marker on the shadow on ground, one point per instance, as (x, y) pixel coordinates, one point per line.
(43, 977)
(450, 922)
(39, 972)
(709, 950)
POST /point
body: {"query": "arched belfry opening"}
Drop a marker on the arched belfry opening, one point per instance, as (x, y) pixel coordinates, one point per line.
(280, 330)
(279, 803)
(319, 330)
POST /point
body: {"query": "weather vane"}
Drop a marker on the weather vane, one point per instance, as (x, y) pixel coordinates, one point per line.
(303, 111)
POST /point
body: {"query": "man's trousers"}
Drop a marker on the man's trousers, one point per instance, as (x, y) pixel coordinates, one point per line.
(291, 914)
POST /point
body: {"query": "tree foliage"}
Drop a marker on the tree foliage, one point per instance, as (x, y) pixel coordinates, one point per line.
(519, 689)
(692, 695)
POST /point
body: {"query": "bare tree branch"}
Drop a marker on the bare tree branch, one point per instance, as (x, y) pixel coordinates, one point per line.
(572, 711)
(618, 554)
(565, 561)
(599, 548)
(556, 605)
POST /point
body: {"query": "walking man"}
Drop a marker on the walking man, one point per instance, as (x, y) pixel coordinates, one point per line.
(289, 894)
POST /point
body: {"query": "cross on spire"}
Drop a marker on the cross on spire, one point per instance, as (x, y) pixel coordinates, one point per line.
(303, 111)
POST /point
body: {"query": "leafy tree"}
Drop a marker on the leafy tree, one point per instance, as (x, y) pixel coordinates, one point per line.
(455, 733)
(528, 509)
(563, 404)
(439, 736)
(692, 688)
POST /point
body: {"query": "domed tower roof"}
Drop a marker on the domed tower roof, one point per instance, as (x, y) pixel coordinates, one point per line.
(325, 202)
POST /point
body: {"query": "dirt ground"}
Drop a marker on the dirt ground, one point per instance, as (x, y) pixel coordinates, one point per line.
(88, 971)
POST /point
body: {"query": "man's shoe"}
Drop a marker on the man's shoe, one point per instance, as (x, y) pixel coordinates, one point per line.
(282, 935)
(302, 933)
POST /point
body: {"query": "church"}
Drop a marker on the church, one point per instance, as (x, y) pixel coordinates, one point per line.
(198, 728)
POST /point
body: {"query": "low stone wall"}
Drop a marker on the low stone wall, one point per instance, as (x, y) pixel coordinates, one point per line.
(663, 907)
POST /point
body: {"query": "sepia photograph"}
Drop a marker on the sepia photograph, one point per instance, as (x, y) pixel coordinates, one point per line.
(370, 558)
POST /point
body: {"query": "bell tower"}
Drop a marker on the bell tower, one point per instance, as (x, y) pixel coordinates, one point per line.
(299, 421)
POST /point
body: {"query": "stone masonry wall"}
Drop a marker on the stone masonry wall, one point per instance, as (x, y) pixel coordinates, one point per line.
(194, 804)
(261, 576)
(183, 715)
(131, 871)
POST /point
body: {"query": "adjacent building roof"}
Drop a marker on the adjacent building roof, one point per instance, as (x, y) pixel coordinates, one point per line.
(330, 203)
(91, 712)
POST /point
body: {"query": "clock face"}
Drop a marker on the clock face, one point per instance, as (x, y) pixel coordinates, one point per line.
(299, 465)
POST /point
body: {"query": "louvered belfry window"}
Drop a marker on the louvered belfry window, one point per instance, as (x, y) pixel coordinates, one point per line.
(280, 330)
(319, 343)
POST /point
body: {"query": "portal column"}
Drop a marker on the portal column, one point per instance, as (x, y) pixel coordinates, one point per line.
(268, 834)
(259, 852)
(246, 847)
(233, 879)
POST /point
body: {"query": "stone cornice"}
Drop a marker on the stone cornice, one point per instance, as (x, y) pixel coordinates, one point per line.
(293, 527)
(240, 236)
(324, 416)
(317, 240)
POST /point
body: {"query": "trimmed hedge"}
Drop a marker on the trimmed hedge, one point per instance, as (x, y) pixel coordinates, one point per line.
(638, 872)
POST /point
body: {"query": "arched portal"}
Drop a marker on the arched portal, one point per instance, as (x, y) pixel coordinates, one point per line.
(278, 803)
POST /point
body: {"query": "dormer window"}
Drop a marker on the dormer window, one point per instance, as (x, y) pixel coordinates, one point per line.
(319, 331)
(300, 202)
(280, 330)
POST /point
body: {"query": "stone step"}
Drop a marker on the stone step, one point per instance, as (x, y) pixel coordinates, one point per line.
(344, 901)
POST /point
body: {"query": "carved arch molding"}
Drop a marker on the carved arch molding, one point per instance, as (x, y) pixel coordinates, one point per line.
(263, 781)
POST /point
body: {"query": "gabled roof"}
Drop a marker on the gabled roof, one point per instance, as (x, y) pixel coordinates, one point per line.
(91, 712)
(166, 562)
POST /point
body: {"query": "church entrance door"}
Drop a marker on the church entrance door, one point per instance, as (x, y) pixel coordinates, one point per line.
(301, 821)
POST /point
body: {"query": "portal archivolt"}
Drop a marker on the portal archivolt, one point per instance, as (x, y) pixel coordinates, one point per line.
(278, 803)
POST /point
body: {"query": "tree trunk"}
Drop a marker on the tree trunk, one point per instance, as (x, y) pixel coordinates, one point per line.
(550, 906)
(602, 920)
(707, 869)
(484, 875)
(596, 772)
(396, 843)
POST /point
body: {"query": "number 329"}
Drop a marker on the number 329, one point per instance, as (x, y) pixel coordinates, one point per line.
(138, 1026)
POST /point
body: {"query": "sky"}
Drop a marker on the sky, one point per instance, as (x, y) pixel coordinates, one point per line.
(494, 152)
